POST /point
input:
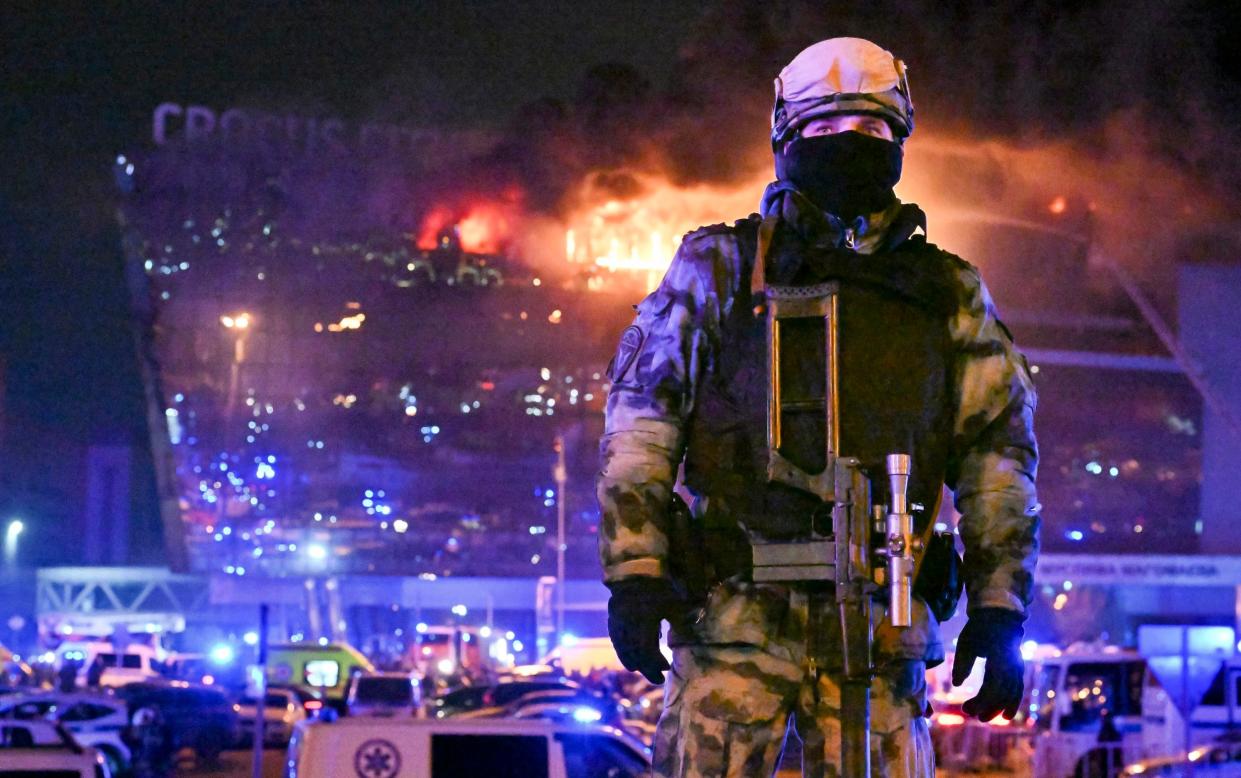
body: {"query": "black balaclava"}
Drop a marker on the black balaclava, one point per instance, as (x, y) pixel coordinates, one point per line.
(847, 174)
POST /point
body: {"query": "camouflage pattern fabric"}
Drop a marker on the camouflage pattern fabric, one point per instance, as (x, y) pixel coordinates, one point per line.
(761, 658)
(765, 658)
(729, 709)
(678, 327)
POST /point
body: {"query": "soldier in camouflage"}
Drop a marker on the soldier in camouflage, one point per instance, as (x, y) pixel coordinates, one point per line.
(753, 660)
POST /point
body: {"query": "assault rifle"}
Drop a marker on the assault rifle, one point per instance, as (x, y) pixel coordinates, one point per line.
(848, 557)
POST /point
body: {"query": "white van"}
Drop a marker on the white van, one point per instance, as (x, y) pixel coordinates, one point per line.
(450, 748)
(136, 663)
(1068, 697)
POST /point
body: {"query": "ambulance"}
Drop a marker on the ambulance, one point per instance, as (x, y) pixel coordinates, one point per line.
(450, 748)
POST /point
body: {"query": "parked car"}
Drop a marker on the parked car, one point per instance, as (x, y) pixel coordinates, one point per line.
(284, 708)
(1212, 760)
(384, 694)
(448, 748)
(470, 698)
(565, 705)
(642, 713)
(200, 717)
(32, 748)
(94, 720)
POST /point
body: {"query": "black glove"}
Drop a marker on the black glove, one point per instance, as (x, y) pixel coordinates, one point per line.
(635, 610)
(993, 634)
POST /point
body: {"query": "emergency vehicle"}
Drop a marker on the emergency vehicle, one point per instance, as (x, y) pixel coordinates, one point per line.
(325, 669)
(449, 748)
(1086, 699)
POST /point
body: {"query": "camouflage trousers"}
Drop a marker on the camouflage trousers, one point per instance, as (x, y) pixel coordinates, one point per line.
(729, 707)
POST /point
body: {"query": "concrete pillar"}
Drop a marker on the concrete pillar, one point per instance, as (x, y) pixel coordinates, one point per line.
(1210, 331)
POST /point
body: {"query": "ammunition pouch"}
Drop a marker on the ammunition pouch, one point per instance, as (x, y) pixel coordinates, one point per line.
(701, 556)
(938, 581)
(687, 559)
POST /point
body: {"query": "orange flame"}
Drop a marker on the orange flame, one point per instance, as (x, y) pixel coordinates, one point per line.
(641, 234)
(479, 228)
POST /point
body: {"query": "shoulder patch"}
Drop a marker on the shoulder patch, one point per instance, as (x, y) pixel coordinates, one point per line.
(631, 341)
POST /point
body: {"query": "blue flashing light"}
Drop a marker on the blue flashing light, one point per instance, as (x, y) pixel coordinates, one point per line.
(1074, 535)
(222, 654)
(568, 639)
(586, 715)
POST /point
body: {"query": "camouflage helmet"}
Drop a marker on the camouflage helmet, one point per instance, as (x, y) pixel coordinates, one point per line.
(841, 76)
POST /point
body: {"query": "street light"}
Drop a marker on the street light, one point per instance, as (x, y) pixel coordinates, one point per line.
(11, 533)
(239, 322)
(239, 326)
(561, 474)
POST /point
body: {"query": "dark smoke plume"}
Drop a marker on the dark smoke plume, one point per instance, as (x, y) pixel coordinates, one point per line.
(1124, 106)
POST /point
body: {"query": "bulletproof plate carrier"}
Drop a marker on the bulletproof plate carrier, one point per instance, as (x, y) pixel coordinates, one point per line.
(862, 351)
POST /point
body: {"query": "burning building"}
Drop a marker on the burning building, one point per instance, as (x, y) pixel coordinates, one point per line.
(361, 363)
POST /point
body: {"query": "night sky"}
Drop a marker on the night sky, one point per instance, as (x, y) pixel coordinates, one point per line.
(79, 84)
(79, 81)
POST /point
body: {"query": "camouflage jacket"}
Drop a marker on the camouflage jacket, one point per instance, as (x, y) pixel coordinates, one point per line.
(668, 350)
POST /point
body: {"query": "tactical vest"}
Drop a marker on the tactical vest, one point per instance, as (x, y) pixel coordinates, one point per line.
(895, 386)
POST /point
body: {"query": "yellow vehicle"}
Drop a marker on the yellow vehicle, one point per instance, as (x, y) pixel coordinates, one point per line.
(322, 669)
